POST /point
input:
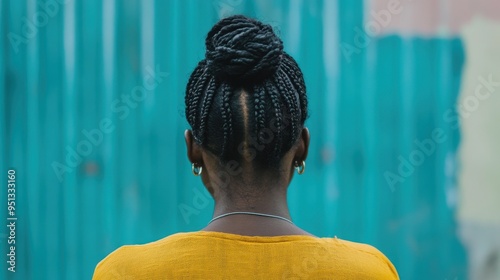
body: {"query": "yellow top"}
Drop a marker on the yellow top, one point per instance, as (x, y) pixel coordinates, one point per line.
(216, 255)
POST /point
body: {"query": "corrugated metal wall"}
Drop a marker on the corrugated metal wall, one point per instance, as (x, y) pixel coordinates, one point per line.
(91, 98)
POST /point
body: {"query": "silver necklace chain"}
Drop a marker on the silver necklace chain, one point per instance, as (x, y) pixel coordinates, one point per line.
(251, 213)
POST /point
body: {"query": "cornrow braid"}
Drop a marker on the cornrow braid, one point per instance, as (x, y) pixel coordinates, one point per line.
(244, 55)
(207, 101)
(293, 97)
(196, 100)
(280, 81)
(192, 96)
(259, 94)
(227, 118)
(278, 117)
(290, 66)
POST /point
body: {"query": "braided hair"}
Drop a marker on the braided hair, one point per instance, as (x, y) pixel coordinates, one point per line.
(247, 99)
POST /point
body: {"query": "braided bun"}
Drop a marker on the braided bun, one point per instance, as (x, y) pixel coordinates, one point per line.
(242, 49)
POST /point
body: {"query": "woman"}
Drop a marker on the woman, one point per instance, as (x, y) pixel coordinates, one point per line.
(246, 104)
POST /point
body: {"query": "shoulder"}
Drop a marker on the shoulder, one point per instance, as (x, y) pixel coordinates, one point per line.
(365, 260)
(361, 248)
(112, 266)
(128, 262)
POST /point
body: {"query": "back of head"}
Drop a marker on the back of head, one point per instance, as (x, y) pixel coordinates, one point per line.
(247, 99)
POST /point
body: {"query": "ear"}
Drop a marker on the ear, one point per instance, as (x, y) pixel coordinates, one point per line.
(193, 149)
(303, 146)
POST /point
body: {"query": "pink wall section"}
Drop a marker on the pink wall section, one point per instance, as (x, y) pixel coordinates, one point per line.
(428, 17)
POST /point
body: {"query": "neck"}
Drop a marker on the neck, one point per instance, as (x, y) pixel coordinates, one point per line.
(273, 202)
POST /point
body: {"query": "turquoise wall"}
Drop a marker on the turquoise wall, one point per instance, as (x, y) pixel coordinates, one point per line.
(68, 69)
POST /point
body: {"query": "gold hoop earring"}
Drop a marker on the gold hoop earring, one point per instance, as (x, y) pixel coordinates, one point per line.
(300, 168)
(196, 169)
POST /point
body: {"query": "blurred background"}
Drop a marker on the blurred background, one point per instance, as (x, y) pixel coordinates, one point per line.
(404, 101)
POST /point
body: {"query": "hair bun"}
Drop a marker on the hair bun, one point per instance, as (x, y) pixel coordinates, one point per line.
(242, 49)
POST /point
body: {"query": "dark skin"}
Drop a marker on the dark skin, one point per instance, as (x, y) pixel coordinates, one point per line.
(252, 190)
